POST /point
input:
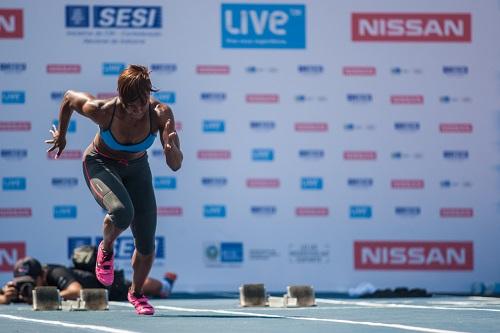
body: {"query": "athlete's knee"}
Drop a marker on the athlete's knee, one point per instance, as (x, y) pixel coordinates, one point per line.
(121, 215)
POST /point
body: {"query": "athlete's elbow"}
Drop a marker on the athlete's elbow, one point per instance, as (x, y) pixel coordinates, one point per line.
(67, 95)
(67, 98)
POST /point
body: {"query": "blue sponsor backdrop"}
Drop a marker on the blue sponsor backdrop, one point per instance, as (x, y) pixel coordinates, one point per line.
(299, 137)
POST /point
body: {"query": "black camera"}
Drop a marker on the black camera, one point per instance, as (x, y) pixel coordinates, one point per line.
(24, 286)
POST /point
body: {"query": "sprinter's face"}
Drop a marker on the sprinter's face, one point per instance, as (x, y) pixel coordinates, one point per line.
(137, 109)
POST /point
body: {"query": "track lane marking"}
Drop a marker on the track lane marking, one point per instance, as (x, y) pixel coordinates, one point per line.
(65, 324)
(265, 315)
(406, 306)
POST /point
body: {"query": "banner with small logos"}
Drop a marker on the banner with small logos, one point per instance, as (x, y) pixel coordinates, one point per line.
(326, 143)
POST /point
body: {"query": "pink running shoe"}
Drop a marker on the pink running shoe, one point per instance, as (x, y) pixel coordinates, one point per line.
(141, 304)
(104, 266)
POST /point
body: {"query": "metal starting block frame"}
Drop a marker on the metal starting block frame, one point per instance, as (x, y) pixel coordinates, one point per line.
(46, 299)
(49, 299)
(296, 296)
(304, 294)
(95, 299)
(253, 295)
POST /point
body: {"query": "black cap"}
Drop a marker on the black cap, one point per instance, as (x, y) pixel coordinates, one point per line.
(27, 266)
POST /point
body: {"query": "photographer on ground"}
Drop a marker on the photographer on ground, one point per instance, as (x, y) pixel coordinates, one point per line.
(29, 273)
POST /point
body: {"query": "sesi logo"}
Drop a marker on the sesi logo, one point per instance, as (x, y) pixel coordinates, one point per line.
(133, 17)
(64, 182)
(310, 69)
(12, 67)
(407, 126)
(401, 155)
(360, 182)
(411, 27)
(413, 255)
(456, 155)
(10, 252)
(57, 96)
(213, 96)
(13, 154)
(455, 70)
(118, 17)
(311, 154)
(263, 126)
(263, 210)
(163, 68)
(359, 98)
(407, 211)
(263, 26)
(214, 181)
(123, 247)
(11, 23)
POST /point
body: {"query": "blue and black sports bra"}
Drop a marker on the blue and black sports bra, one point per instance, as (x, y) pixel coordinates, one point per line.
(111, 142)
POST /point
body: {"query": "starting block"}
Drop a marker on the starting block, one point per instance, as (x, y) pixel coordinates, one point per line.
(253, 295)
(46, 299)
(296, 296)
(94, 299)
(304, 294)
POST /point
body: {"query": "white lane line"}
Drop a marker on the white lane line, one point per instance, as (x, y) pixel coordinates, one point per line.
(464, 303)
(406, 306)
(341, 321)
(314, 308)
(64, 324)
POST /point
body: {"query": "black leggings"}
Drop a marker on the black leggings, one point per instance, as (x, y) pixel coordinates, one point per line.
(125, 190)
